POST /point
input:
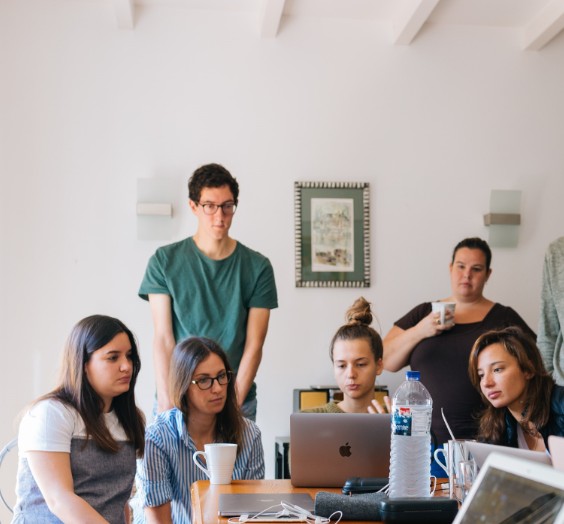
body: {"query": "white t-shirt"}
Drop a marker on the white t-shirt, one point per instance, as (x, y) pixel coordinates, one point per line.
(103, 479)
(51, 425)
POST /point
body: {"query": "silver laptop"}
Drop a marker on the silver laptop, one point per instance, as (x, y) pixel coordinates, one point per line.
(328, 448)
(480, 452)
(514, 490)
(267, 504)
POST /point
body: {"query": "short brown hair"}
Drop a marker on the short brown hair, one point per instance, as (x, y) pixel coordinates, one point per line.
(211, 175)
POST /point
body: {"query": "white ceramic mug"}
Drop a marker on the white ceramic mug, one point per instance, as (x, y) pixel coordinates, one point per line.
(454, 452)
(220, 459)
(442, 308)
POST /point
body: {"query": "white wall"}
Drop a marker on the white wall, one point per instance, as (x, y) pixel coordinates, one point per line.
(87, 109)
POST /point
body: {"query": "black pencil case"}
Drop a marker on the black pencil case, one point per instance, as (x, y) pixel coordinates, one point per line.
(437, 510)
(356, 485)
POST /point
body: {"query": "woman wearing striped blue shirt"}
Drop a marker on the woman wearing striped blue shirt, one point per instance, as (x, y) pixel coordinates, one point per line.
(205, 411)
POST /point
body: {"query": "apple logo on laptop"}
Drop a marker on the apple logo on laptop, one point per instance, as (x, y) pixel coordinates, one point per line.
(345, 451)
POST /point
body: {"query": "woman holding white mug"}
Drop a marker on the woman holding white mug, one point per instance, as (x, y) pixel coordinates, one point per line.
(205, 412)
(440, 351)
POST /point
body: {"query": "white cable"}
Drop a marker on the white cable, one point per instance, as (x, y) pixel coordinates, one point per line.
(288, 510)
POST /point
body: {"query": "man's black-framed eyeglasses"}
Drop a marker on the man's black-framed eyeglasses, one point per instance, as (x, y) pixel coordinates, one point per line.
(207, 382)
(227, 208)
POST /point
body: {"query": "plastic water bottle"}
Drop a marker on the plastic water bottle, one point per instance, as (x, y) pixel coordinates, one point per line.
(410, 459)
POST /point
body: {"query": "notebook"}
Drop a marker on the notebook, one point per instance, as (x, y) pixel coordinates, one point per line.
(556, 448)
(328, 448)
(236, 504)
(513, 490)
(480, 451)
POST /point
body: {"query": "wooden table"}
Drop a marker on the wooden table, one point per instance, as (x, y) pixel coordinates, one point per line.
(205, 496)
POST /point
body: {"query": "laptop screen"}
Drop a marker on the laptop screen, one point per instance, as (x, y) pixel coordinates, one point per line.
(505, 495)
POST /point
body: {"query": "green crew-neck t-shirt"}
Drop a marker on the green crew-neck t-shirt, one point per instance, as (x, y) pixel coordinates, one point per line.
(211, 298)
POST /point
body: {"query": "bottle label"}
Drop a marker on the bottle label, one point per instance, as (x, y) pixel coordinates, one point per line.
(408, 422)
(401, 421)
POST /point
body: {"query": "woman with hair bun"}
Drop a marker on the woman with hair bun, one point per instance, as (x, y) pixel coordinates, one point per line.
(356, 352)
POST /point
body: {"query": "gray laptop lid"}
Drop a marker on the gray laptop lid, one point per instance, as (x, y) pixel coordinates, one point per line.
(556, 447)
(328, 448)
(481, 450)
(235, 504)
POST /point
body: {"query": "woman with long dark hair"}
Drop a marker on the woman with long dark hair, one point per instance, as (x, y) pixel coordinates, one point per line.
(524, 405)
(205, 410)
(78, 444)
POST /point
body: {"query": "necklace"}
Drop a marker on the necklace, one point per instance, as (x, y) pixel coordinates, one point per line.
(533, 439)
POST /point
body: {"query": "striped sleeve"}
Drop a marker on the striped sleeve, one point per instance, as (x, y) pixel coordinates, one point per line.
(250, 462)
(155, 470)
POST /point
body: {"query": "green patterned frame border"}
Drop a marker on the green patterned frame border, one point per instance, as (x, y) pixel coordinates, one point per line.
(359, 192)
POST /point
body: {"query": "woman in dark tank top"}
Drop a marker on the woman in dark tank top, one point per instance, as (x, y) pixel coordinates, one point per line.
(441, 351)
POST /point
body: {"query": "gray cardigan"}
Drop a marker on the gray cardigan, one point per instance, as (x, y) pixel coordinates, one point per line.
(549, 338)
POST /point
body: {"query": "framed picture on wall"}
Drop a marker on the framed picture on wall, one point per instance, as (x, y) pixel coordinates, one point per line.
(332, 234)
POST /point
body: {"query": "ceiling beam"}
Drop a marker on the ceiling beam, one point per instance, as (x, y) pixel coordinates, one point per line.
(124, 13)
(271, 17)
(544, 26)
(408, 21)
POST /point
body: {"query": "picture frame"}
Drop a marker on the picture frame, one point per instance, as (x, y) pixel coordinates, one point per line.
(332, 234)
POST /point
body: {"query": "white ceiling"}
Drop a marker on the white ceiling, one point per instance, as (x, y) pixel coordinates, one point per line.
(539, 21)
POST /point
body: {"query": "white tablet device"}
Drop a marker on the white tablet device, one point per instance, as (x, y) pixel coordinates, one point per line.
(513, 490)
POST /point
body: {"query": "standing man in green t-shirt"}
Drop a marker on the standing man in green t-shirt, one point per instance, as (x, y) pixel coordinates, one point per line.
(211, 285)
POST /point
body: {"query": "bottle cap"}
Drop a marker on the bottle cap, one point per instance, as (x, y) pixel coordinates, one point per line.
(412, 375)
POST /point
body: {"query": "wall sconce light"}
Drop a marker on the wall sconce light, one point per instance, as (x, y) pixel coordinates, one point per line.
(504, 218)
(154, 208)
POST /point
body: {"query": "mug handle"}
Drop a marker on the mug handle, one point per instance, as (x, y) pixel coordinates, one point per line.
(444, 466)
(199, 464)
